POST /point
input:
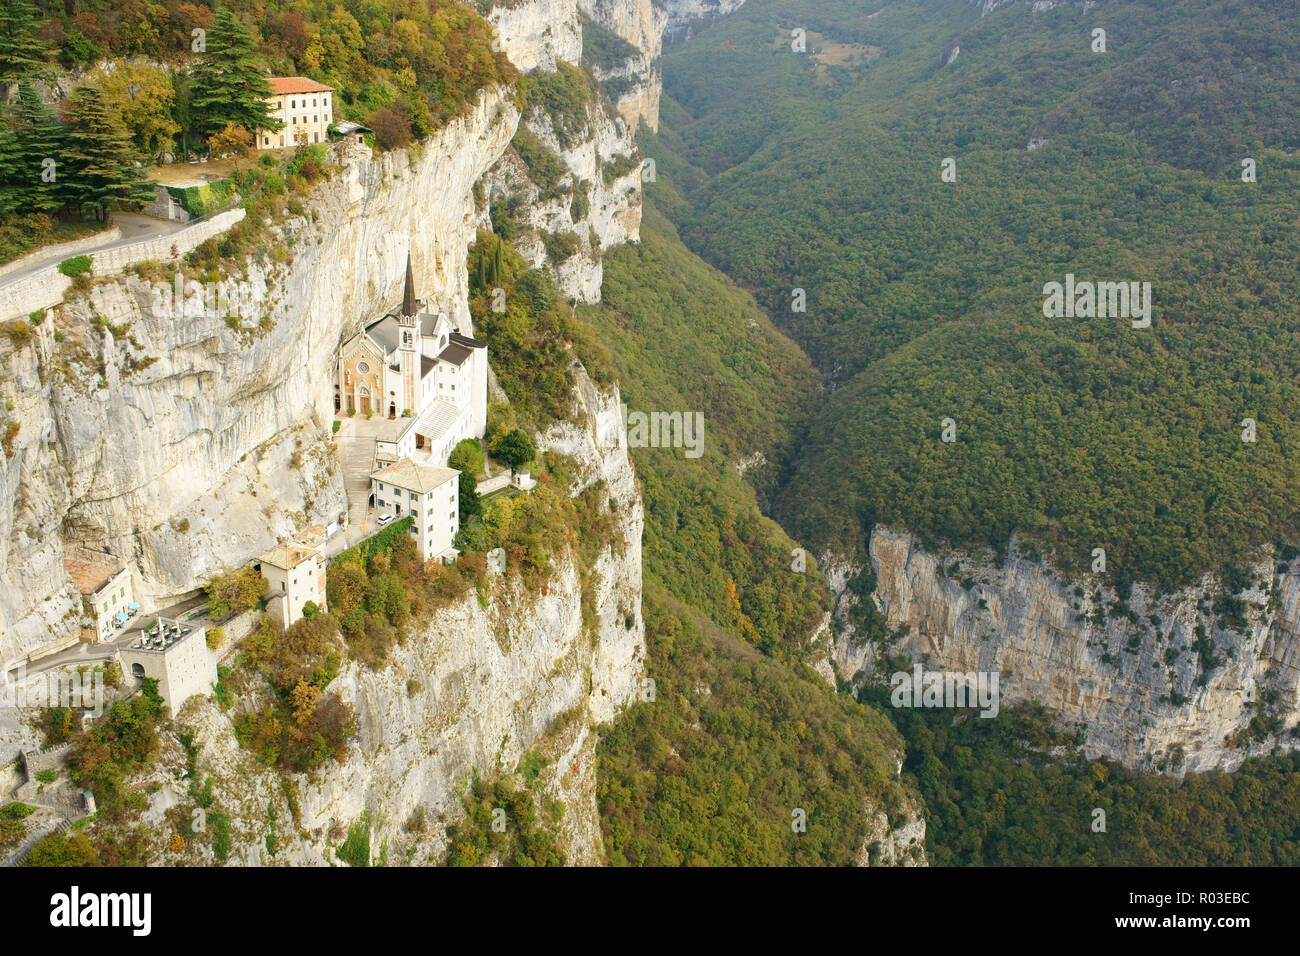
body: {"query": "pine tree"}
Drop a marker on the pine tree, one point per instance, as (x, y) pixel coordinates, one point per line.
(11, 194)
(31, 156)
(228, 85)
(22, 53)
(104, 172)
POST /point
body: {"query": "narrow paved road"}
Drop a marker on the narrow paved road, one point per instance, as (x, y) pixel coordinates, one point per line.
(91, 653)
(134, 228)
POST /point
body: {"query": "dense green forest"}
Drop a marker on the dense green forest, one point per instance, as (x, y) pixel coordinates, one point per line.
(741, 732)
(924, 301)
(821, 171)
(995, 796)
(707, 773)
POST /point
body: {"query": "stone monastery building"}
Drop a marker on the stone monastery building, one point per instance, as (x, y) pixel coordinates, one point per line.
(421, 373)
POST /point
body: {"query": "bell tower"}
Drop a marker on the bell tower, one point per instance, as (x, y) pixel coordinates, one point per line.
(408, 344)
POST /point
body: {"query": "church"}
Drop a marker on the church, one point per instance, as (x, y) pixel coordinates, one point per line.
(422, 375)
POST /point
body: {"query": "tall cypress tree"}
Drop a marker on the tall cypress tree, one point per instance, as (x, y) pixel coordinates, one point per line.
(22, 53)
(104, 172)
(228, 85)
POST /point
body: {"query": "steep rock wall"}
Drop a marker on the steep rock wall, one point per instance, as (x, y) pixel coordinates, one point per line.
(1143, 690)
(171, 444)
(613, 203)
(471, 691)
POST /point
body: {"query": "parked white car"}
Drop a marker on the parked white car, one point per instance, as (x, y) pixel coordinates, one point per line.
(384, 519)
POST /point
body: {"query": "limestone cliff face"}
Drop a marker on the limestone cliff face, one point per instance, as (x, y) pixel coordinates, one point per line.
(170, 440)
(537, 33)
(989, 6)
(641, 24)
(471, 691)
(1147, 682)
(600, 160)
(901, 845)
(684, 16)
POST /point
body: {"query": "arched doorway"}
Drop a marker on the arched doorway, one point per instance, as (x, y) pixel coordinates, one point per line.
(363, 399)
(392, 409)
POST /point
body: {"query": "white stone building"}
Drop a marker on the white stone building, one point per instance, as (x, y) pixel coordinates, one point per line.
(175, 653)
(108, 594)
(422, 373)
(430, 494)
(304, 106)
(295, 574)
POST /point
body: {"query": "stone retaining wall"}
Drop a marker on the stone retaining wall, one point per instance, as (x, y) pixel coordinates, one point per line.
(46, 287)
(64, 250)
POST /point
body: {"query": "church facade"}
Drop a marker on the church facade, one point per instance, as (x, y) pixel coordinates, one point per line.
(419, 372)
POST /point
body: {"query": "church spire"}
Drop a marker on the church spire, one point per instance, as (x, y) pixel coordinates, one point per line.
(408, 295)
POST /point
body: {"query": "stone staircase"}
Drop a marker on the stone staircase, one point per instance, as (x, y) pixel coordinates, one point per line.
(19, 856)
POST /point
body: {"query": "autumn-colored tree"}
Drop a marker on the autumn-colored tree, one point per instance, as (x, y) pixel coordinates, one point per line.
(392, 129)
(233, 592)
(292, 32)
(304, 697)
(141, 97)
(232, 140)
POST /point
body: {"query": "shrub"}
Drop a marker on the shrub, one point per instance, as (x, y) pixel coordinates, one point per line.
(544, 167)
(467, 456)
(76, 266)
(64, 849)
(216, 637)
(560, 246)
(234, 592)
(514, 448)
(18, 331)
(355, 850)
(581, 205)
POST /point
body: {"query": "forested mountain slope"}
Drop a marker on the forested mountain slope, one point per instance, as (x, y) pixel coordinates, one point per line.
(821, 171)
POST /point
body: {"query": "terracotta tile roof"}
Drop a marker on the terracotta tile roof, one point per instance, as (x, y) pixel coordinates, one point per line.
(296, 84)
(87, 576)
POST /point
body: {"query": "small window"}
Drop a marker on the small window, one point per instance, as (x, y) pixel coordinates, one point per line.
(281, 585)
